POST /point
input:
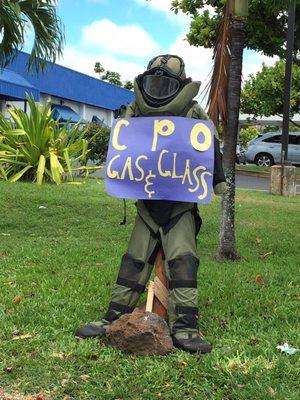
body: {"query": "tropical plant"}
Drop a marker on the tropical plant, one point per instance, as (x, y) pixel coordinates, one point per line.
(128, 85)
(265, 31)
(246, 134)
(35, 147)
(99, 69)
(263, 93)
(17, 17)
(98, 137)
(220, 24)
(111, 76)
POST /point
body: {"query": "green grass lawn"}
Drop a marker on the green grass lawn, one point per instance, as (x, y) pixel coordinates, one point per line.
(63, 260)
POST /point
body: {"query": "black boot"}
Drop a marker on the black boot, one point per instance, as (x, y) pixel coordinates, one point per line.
(91, 330)
(193, 344)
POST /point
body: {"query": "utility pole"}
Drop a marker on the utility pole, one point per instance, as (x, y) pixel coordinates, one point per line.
(288, 80)
(283, 177)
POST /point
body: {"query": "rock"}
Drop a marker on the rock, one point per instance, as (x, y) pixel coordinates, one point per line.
(141, 332)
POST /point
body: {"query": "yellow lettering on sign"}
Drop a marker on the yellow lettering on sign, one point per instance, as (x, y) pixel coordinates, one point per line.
(165, 127)
(187, 173)
(139, 168)
(159, 166)
(112, 174)
(127, 167)
(202, 129)
(204, 184)
(149, 183)
(116, 132)
(174, 174)
(203, 181)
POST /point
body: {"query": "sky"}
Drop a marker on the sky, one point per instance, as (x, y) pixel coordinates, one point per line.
(125, 34)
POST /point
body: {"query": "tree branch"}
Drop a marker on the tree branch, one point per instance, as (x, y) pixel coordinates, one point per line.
(291, 121)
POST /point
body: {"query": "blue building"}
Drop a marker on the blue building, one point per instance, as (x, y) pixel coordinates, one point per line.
(74, 95)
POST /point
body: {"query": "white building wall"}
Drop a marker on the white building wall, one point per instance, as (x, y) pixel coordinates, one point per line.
(101, 113)
(85, 111)
(8, 103)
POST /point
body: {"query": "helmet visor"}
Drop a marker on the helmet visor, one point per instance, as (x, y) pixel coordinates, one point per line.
(160, 86)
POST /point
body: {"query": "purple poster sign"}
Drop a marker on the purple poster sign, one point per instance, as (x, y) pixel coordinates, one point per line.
(161, 158)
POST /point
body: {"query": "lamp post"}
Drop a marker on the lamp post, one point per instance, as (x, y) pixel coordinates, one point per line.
(283, 177)
(288, 80)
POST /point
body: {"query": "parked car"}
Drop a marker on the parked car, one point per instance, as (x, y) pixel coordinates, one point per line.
(265, 150)
(240, 154)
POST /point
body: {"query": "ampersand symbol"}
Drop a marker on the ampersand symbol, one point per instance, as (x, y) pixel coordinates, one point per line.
(148, 183)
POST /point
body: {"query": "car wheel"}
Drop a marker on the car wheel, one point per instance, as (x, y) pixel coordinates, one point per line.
(264, 160)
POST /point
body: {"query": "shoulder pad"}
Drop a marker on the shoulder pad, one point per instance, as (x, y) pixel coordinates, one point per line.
(131, 110)
(197, 112)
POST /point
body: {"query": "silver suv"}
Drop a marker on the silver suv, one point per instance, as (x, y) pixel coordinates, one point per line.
(265, 150)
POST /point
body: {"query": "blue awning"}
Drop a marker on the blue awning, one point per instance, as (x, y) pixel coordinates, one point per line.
(97, 120)
(13, 85)
(65, 114)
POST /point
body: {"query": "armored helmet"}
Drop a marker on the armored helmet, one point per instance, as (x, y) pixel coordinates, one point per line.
(163, 80)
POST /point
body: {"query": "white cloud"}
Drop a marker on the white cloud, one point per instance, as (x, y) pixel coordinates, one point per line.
(98, 1)
(198, 60)
(83, 61)
(199, 63)
(159, 5)
(253, 62)
(108, 43)
(130, 40)
(165, 7)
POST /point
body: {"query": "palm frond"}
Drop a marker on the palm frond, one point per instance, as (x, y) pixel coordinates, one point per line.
(217, 99)
(19, 16)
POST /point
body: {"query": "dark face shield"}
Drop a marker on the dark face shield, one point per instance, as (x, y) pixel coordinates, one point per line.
(160, 87)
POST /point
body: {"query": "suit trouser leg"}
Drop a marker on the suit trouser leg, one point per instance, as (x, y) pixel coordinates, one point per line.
(181, 264)
(135, 270)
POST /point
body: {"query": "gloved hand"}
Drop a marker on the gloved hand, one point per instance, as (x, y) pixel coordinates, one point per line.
(220, 188)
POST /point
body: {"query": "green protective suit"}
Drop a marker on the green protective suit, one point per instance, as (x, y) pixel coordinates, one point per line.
(167, 225)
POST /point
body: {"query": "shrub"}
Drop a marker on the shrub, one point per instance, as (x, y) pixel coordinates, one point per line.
(35, 147)
(270, 128)
(246, 134)
(98, 136)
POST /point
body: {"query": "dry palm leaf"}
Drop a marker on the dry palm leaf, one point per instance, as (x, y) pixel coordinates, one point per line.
(217, 99)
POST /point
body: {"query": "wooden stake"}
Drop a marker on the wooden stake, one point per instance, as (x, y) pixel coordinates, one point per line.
(150, 297)
(161, 293)
(157, 300)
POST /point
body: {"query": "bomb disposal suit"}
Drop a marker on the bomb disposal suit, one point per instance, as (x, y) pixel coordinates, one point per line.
(168, 226)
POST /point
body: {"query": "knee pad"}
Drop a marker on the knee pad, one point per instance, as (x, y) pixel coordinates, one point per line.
(129, 273)
(183, 278)
(183, 271)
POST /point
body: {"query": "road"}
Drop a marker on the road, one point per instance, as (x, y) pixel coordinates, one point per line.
(258, 183)
(252, 182)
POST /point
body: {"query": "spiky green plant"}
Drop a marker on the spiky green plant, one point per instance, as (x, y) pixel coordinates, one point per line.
(35, 147)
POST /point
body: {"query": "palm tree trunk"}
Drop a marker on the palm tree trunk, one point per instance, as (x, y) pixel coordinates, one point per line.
(227, 248)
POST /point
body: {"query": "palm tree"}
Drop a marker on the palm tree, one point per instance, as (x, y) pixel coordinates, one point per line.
(17, 17)
(224, 105)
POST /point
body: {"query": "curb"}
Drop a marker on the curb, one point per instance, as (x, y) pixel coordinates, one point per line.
(258, 174)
